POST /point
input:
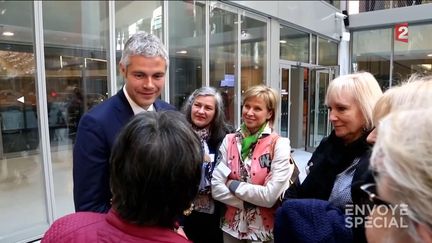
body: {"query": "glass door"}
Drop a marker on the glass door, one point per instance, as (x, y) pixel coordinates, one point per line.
(285, 81)
(319, 125)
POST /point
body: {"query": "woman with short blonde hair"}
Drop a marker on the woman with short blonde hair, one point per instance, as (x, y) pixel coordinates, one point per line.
(252, 171)
(340, 161)
(365, 91)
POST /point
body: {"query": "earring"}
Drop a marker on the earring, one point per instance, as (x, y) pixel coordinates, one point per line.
(188, 211)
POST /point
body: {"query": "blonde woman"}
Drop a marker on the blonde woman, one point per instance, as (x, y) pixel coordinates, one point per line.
(253, 170)
(402, 161)
(414, 94)
(341, 160)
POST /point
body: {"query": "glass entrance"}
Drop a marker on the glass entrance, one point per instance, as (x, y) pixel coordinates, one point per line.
(319, 126)
(294, 104)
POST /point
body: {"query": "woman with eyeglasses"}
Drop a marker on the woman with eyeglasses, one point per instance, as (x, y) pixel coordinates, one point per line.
(402, 160)
(413, 94)
(342, 158)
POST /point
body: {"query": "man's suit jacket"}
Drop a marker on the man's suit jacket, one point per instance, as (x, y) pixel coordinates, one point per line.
(97, 131)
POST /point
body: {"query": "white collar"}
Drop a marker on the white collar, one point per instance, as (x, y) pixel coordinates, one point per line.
(136, 108)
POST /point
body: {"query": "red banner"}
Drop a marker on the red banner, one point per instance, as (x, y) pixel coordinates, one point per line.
(401, 32)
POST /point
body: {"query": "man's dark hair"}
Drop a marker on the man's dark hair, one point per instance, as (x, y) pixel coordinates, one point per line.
(155, 168)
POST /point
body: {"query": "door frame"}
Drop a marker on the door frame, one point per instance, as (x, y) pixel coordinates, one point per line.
(332, 72)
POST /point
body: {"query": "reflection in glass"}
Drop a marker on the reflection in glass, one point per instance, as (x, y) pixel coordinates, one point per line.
(335, 3)
(253, 52)
(314, 49)
(22, 203)
(133, 16)
(186, 43)
(294, 45)
(76, 80)
(285, 101)
(298, 106)
(414, 56)
(327, 52)
(319, 126)
(373, 58)
(223, 42)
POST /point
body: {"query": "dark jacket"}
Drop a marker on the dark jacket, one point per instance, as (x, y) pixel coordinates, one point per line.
(308, 221)
(96, 134)
(330, 158)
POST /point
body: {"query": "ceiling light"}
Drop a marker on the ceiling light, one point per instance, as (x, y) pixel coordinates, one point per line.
(429, 55)
(283, 41)
(182, 52)
(426, 66)
(8, 33)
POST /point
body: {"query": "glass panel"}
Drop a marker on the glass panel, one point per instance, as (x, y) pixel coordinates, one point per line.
(327, 52)
(305, 114)
(314, 49)
(323, 80)
(415, 56)
(318, 126)
(373, 58)
(313, 102)
(335, 3)
(253, 52)
(285, 100)
(294, 45)
(22, 204)
(133, 16)
(223, 49)
(298, 106)
(76, 74)
(186, 42)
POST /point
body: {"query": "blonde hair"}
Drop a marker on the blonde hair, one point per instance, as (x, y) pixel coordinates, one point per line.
(403, 152)
(363, 87)
(416, 92)
(403, 149)
(269, 95)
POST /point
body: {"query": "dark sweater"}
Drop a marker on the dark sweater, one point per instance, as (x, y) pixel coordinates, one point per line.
(330, 158)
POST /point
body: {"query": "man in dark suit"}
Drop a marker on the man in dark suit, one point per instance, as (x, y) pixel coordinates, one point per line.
(143, 65)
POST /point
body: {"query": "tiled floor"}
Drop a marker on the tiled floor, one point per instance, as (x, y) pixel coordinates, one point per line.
(301, 157)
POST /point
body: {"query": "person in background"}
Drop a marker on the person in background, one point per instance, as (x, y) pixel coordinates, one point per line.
(253, 170)
(402, 165)
(342, 158)
(150, 189)
(204, 110)
(143, 65)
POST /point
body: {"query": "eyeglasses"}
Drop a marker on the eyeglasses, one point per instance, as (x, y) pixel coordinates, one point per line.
(370, 190)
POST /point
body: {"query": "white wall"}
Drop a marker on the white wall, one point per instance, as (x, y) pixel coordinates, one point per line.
(412, 14)
(316, 16)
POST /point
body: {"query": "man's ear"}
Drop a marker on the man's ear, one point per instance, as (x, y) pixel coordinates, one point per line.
(122, 69)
